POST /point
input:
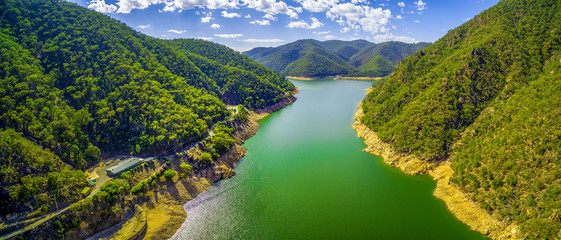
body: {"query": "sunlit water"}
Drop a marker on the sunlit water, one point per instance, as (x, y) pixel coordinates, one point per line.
(305, 177)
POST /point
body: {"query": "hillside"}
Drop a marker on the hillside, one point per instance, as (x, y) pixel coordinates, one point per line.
(312, 58)
(76, 84)
(486, 96)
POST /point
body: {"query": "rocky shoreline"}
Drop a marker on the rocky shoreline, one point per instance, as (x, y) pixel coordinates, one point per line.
(457, 201)
(165, 211)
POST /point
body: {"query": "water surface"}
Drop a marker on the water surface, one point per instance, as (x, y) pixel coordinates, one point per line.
(305, 177)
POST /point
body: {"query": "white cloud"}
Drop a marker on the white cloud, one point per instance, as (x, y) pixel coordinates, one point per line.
(253, 40)
(205, 38)
(466, 19)
(398, 17)
(272, 7)
(365, 2)
(390, 37)
(176, 31)
(321, 33)
(247, 16)
(373, 20)
(329, 37)
(206, 19)
(261, 22)
(144, 26)
(401, 4)
(417, 21)
(125, 6)
(172, 5)
(303, 24)
(421, 5)
(318, 5)
(215, 26)
(345, 29)
(101, 6)
(230, 15)
(236, 35)
(270, 17)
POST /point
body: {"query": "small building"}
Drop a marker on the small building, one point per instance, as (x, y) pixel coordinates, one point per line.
(124, 166)
(92, 183)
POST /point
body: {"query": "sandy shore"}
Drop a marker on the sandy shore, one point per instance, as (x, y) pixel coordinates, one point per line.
(301, 78)
(356, 78)
(457, 201)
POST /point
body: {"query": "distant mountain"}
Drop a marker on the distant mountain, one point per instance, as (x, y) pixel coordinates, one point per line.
(312, 58)
(487, 96)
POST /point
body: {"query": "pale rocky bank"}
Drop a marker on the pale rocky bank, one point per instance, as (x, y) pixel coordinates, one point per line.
(457, 201)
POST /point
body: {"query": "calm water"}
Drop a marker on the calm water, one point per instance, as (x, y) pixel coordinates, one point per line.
(305, 177)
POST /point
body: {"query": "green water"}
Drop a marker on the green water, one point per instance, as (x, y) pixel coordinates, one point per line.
(305, 177)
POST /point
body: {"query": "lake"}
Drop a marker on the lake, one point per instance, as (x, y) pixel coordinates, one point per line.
(305, 177)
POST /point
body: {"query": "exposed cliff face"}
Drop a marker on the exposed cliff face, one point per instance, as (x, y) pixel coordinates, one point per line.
(457, 201)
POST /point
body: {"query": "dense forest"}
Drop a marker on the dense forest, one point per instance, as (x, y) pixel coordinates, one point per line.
(76, 84)
(487, 96)
(312, 58)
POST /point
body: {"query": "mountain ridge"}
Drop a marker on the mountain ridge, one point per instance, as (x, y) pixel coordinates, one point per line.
(313, 58)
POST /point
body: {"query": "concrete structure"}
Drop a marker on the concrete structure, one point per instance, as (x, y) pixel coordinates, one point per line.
(123, 166)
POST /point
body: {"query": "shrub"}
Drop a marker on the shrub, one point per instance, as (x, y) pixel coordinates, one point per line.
(169, 174)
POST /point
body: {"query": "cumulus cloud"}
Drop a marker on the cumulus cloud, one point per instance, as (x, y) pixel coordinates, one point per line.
(176, 31)
(247, 16)
(390, 37)
(235, 35)
(401, 4)
(303, 24)
(321, 33)
(172, 5)
(366, 2)
(101, 6)
(144, 26)
(398, 17)
(417, 21)
(370, 19)
(206, 19)
(125, 6)
(253, 40)
(215, 26)
(272, 7)
(205, 38)
(261, 22)
(420, 5)
(270, 17)
(318, 5)
(229, 15)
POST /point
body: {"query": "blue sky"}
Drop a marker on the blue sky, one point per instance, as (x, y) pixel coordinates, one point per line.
(245, 24)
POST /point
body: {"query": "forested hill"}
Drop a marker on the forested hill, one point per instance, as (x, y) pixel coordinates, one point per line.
(488, 97)
(75, 83)
(312, 58)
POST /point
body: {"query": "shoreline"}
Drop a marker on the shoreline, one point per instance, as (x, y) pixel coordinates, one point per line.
(301, 78)
(338, 77)
(166, 214)
(457, 202)
(356, 78)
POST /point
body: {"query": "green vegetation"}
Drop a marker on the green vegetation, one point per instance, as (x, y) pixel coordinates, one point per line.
(312, 58)
(75, 83)
(186, 169)
(169, 174)
(486, 96)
